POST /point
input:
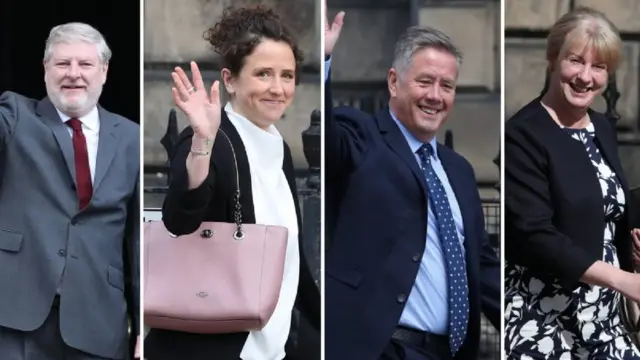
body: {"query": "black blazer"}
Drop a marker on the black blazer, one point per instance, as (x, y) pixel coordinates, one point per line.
(184, 210)
(554, 217)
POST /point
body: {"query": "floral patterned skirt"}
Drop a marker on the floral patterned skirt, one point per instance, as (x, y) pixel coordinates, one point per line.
(544, 321)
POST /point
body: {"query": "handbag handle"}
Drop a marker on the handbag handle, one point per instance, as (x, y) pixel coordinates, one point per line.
(237, 209)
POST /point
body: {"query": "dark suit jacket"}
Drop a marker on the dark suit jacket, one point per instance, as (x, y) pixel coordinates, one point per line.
(42, 233)
(184, 210)
(380, 233)
(554, 219)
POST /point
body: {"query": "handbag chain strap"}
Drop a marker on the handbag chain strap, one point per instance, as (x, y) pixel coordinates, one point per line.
(237, 209)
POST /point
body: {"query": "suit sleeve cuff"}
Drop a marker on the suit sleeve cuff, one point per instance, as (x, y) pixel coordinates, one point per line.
(327, 67)
(573, 270)
(191, 200)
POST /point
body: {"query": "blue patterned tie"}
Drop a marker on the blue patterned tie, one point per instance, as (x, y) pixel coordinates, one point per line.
(456, 273)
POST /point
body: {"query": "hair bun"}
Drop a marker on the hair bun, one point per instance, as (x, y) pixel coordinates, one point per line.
(240, 25)
(240, 30)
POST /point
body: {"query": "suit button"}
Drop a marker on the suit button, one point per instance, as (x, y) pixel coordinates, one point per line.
(74, 221)
(62, 252)
(416, 257)
(401, 298)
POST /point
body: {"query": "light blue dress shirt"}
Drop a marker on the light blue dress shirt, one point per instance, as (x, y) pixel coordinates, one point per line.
(427, 307)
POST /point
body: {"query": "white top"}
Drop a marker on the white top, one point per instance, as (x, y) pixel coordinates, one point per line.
(90, 129)
(273, 204)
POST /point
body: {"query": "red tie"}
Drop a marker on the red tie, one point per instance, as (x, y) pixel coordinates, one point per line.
(81, 156)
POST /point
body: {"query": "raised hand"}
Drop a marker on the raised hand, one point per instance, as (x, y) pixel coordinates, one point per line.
(331, 32)
(202, 109)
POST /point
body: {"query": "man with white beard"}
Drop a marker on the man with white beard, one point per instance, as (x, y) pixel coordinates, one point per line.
(69, 211)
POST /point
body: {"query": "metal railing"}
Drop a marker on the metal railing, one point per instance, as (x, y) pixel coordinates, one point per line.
(489, 336)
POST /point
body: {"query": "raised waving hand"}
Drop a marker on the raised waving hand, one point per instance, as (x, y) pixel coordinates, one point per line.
(331, 32)
(201, 108)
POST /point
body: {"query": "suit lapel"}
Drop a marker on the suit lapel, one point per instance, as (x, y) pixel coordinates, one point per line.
(460, 189)
(47, 112)
(398, 144)
(609, 149)
(107, 145)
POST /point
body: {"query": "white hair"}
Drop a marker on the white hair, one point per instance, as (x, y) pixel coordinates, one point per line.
(76, 32)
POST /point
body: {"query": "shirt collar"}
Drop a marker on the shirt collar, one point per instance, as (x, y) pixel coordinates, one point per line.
(413, 142)
(90, 120)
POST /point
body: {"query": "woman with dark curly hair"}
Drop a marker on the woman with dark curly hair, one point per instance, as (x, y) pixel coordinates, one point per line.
(260, 63)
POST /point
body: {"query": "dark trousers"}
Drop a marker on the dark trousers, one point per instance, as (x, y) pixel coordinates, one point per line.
(175, 345)
(44, 343)
(403, 350)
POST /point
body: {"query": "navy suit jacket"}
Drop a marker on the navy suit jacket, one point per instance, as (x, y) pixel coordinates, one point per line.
(379, 199)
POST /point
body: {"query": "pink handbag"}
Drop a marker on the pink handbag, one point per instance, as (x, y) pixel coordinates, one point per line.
(223, 278)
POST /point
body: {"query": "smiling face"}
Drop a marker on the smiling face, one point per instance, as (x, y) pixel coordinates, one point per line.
(581, 75)
(265, 86)
(74, 77)
(583, 48)
(423, 94)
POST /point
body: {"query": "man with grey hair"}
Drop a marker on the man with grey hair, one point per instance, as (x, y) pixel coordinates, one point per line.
(69, 211)
(410, 268)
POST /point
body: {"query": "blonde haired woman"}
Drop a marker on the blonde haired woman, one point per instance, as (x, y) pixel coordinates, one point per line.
(567, 232)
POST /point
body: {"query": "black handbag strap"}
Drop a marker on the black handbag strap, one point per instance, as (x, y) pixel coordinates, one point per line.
(237, 207)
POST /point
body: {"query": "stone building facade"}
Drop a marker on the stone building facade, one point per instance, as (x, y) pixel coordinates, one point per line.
(527, 23)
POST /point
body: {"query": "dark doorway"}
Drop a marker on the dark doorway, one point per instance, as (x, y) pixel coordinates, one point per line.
(25, 25)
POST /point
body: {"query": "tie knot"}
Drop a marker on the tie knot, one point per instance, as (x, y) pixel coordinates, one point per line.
(426, 150)
(75, 124)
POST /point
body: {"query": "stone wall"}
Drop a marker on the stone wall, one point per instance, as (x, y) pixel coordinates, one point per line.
(527, 23)
(173, 36)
